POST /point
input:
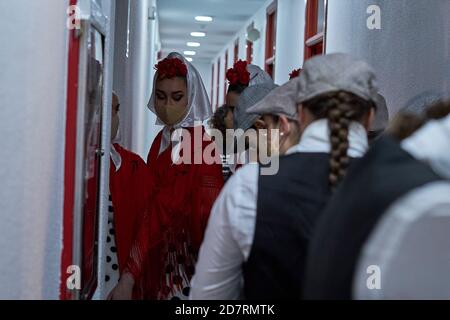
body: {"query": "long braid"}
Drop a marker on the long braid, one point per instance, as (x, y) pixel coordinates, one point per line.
(339, 118)
(340, 109)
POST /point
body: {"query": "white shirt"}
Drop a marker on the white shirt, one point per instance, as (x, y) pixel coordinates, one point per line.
(239, 159)
(411, 243)
(231, 226)
(115, 157)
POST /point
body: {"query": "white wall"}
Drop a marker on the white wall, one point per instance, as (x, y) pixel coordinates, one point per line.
(133, 73)
(107, 9)
(204, 68)
(151, 130)
(259, 20)
(33, 66)
(289, 42)
(33, 96)
(289, 53)
(213, 91)
(411, 52)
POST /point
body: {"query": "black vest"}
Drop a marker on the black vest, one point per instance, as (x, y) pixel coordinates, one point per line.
(385, 174)
(288, 206)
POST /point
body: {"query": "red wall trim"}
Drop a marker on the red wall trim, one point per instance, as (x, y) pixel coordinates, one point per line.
(225, 66)
(236, 50)
(212, 87)
(218, 83)
(271, 28)
(249, 51)
(311, 17)
(69, 159)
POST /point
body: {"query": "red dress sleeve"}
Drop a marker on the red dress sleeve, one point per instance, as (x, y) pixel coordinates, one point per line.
(181, 201)
(130, 187)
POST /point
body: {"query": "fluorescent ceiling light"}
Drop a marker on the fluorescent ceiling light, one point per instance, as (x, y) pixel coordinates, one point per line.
(189, 53)
(204, 18)
(193, 44)
(189, 59)
(198, 34)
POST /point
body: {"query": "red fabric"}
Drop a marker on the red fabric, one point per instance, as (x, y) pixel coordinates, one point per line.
(130, 188)
(170, 68)
(238, 74)
(181, 201)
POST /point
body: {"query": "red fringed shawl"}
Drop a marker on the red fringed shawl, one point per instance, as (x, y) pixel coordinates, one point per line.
(180, 203)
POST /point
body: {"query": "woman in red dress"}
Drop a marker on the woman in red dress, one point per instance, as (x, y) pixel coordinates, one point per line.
(164, 252)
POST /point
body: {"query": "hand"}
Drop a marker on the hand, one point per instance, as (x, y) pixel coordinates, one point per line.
(124, 289)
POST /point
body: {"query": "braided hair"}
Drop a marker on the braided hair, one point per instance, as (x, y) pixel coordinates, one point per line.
(340, 108)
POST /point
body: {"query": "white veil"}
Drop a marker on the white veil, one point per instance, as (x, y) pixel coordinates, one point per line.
(199, 106)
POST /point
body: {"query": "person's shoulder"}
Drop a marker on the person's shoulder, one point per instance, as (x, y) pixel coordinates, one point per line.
(248, 170)
(127, 154)
(159, 135)
(244, 178)
(403, 234)
(425, 201)
(237, 201)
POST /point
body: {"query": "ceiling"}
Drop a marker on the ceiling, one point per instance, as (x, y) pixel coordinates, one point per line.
(176, 18)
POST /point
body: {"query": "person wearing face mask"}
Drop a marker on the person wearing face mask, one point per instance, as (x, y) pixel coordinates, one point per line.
(257, 238)
(129, 185)
(164, 252)
(241, 77)
(278, 116)
(247, 126)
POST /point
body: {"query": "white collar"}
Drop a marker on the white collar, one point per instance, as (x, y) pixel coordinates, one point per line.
(431, 144)
(241, 158)
(316, 138)
(115, 157)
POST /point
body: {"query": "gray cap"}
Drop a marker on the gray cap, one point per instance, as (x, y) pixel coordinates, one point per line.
(336, 72)
(280, 101)
(249, 97)
(258, 75)
(381, 120)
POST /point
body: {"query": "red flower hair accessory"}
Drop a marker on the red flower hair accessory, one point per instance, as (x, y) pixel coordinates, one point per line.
(295, 73)
(171, 68)
(239, 74)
